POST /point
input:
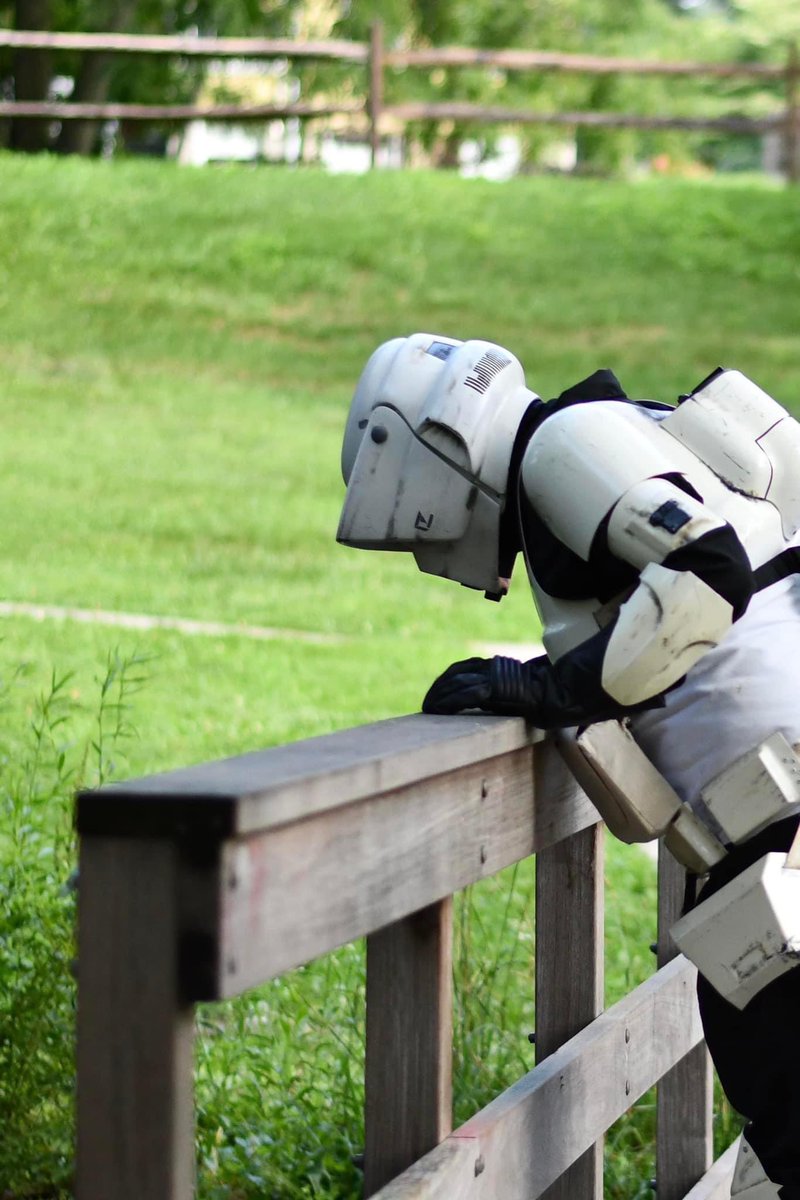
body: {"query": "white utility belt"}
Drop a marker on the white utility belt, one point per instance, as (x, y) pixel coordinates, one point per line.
(748, 932)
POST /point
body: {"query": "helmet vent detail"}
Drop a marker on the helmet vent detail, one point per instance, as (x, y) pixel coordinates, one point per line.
(484, 371)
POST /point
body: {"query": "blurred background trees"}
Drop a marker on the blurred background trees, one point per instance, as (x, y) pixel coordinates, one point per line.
(708, 30)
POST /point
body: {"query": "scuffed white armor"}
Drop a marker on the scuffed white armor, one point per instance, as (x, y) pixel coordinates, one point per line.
(589, 459)
(671, 620)
(749, 1178)
(611, 463)
(426, 457)
(426, 454)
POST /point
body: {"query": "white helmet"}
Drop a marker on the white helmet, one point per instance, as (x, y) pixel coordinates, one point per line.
(426, 454)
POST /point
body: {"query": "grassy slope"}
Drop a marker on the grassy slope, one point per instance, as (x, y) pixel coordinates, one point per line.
(178, 352)
(179, 349)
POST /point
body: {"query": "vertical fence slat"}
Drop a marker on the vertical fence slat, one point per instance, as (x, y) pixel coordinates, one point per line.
(569, 970)
(408, 1102)
(792, 127)
(684, 1107)
(135, 1083)
(375, 94)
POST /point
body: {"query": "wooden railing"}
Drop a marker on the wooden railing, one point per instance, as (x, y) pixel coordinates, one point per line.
(376, 58)
(204, 882)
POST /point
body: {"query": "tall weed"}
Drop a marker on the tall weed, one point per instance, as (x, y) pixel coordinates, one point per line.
(61, 746)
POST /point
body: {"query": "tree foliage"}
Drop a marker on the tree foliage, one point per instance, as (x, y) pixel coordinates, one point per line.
(743, 30)
(100, 77)
(641, 28)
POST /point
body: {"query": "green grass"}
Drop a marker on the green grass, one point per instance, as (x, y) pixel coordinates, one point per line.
(178, 349)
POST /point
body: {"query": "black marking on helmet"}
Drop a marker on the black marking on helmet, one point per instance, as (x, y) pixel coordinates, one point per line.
(423, 523)
(484, 371)
(670, 516)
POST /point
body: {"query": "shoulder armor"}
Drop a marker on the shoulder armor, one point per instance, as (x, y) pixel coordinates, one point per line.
(668, 624)
(746, 438)
(582, 459)
(655, 518)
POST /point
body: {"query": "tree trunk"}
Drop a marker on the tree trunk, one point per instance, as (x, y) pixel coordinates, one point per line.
(445, 154)
(92, 84)
(32, 74)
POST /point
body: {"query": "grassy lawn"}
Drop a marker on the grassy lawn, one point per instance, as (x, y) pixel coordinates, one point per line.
(179, 348)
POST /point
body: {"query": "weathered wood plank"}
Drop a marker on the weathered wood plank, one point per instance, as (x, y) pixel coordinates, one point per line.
(188, 45)
(375, 89)
(135, 1100)
(791, 132)
(450, 1172)
(408, 1077)
(685, 1096)
(301, 890)
(526, 1138)
(267, 788)
(560, 807)
(590, 64)
(465, 111)
(58, 111)
(716, 1183)
(185, 45)
(570, 970)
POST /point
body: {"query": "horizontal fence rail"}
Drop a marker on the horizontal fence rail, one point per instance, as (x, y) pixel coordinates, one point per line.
(200, 883)
(377, 116)
(189, 46)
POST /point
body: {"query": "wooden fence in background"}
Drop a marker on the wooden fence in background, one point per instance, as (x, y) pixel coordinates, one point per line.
(201, 883)
(376, 59)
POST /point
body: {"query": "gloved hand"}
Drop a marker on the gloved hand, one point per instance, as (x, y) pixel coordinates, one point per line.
(550, 695)
(463, 685)
(496, 685)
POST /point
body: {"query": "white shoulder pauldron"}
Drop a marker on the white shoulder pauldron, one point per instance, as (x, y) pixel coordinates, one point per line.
(729, 445)
(584, 458)
(734, 445)
(746, 439)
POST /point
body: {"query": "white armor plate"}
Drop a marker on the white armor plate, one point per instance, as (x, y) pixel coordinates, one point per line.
(584, 459)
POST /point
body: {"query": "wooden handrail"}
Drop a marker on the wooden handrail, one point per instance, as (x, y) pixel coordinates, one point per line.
(62, 111)
(591, 64)
(489, 114)
(187, 45)
(196, 46)
(200, 883)
(256, 792)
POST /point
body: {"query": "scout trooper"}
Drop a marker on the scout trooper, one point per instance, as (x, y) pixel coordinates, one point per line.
(662, 545)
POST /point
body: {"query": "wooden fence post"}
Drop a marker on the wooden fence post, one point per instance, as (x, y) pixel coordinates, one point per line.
(375, 95)
(684, 1106)
(135, 1080)
(792, 127)
(408, 1102)
(569, 970)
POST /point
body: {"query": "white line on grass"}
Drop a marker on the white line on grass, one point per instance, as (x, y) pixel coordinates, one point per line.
(125, 620)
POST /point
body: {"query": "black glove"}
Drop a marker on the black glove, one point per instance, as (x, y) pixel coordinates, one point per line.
(463, 685)
(550, 695)
(496, 685)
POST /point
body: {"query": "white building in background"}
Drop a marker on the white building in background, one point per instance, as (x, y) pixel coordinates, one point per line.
(342, 146)
(244, 82)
